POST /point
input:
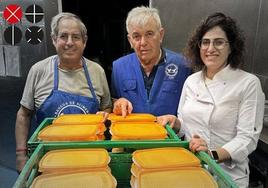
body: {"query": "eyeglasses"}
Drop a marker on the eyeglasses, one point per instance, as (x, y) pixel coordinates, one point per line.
(218, 43)
(65, 36)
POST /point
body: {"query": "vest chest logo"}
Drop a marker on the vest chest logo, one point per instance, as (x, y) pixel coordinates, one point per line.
(71, 107)
(171, 70)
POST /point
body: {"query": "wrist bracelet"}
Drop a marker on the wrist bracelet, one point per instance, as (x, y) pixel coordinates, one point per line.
(21, 149)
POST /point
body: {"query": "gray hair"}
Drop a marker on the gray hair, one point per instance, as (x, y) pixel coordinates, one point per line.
(141, 15)
(66, 15)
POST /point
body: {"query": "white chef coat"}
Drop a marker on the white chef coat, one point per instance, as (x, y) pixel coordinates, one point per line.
(227, 112)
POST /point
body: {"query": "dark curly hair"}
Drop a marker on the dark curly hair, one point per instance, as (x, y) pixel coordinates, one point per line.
(234, 35)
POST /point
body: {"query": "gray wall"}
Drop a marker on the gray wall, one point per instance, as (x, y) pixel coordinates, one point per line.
(180, 17)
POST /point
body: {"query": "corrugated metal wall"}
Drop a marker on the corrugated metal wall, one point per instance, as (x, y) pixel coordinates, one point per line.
(180, 17)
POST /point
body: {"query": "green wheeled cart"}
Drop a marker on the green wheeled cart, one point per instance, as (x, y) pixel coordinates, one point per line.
(120, 162)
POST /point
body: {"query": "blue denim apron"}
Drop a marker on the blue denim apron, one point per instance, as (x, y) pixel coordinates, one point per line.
(60, 102)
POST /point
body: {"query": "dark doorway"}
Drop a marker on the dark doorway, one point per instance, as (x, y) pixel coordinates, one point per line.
(105, 21)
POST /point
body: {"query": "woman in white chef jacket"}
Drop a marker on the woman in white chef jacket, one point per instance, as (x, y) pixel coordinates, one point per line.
(221, 106)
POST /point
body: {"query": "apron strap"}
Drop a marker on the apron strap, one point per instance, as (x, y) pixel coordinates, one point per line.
(56, 75)
(88, 79)
(56, 72)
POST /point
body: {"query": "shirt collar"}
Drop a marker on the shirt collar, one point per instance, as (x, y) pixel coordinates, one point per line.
(163, 57)
(226, 73)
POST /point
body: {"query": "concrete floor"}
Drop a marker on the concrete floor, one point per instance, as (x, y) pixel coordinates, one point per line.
(7, 177)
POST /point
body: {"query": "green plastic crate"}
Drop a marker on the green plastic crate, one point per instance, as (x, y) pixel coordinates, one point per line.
(120, 162)
(33, 141)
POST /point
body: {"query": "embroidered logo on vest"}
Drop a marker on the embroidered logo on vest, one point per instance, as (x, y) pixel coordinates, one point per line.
(171, 70)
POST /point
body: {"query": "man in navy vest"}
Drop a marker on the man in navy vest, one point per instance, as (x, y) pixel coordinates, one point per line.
(149, 80)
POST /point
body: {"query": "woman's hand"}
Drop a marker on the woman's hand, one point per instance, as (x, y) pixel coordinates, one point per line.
(198, 144)
(171, 119)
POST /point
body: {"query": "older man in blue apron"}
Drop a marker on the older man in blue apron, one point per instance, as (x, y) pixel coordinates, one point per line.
(66, 83)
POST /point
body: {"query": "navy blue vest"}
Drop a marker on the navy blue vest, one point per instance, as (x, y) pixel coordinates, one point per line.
(127, 82)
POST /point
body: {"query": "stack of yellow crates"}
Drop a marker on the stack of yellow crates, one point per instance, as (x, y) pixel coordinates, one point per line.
(170, 167)
(70, 168)
(74, 127)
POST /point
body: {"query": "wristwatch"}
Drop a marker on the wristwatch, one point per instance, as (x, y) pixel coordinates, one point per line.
(214, 155)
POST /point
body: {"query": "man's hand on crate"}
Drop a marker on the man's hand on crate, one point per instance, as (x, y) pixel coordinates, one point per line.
(104, 114)
(122, 107)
